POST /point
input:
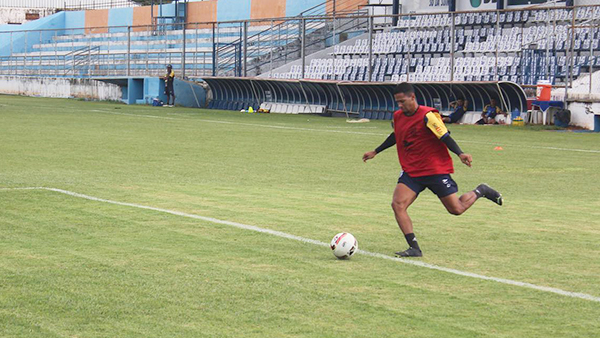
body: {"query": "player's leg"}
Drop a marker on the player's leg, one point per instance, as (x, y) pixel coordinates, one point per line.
(405, 194)
(403, 198)
(458, 205)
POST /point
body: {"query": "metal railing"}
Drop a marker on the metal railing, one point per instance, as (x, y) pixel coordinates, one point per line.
(281, 40)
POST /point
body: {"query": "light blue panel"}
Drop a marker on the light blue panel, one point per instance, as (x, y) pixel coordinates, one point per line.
(229, 10)
(74, 20)
(165, 14)
(165, 10)
(22, 40)
(154, 87)
(135, 90)
(120, 17)
(295, 7)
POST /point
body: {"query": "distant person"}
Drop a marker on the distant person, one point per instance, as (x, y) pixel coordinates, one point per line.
(459, 107)
(422, 142)
(490, 112)
(169, 91)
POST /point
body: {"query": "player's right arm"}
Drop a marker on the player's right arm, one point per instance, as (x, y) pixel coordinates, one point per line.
(389, 141)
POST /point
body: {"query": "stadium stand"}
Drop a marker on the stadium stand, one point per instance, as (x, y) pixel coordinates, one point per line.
(530, 49)
(213, 48)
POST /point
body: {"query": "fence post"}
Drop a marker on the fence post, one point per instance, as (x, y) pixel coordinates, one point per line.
(245, 50)
(549, 38)
(370, 47)
(591, 53)
(89, 67)
(183, 53)
(570, 65)
(303, 46)
(409, 41)
(40, 60)
(271, 50)
(497, 32)
(25, 54)
(196, 54)
(128, 50)
(452, 43)
(11, 51)
(214, 51)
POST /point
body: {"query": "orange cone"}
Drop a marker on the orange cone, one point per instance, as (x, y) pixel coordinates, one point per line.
(498, 148)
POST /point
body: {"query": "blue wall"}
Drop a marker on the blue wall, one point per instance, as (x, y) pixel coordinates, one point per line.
(74, 20)
(120, 17)
(21, 42)
(228, 10)
(295, 7)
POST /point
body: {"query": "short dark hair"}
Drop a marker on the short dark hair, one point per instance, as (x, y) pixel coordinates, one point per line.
(460, 99)
(404, 88)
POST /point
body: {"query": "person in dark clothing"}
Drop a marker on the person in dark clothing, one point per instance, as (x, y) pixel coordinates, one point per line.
(490, 112)
(460, 107)
(169, 91)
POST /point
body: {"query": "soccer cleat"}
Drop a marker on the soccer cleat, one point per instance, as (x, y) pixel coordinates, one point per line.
(410, 252)
(489, 193)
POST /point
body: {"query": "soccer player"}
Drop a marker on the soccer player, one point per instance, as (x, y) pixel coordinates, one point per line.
(422, 142)
(169, 91)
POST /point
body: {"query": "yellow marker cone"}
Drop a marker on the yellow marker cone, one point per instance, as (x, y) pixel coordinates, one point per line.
(250, 110)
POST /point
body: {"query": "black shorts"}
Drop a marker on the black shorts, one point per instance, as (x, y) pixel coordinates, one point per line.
(169, 90)
(441, 185)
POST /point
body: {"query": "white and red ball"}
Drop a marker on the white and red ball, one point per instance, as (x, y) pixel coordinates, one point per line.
(344, 245)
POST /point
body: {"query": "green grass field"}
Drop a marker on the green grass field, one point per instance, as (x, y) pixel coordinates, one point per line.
(74, 267)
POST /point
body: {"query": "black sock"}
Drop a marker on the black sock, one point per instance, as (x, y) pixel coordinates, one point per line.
(412, 241)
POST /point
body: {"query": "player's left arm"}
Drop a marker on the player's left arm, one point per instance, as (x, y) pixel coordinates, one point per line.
(436, 125)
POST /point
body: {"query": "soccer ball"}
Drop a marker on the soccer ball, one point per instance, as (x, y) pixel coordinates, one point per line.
(343, 245)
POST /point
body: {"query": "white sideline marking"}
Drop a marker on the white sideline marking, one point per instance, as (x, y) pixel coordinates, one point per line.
(319, 243)
(336, 131)
(24, 188)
